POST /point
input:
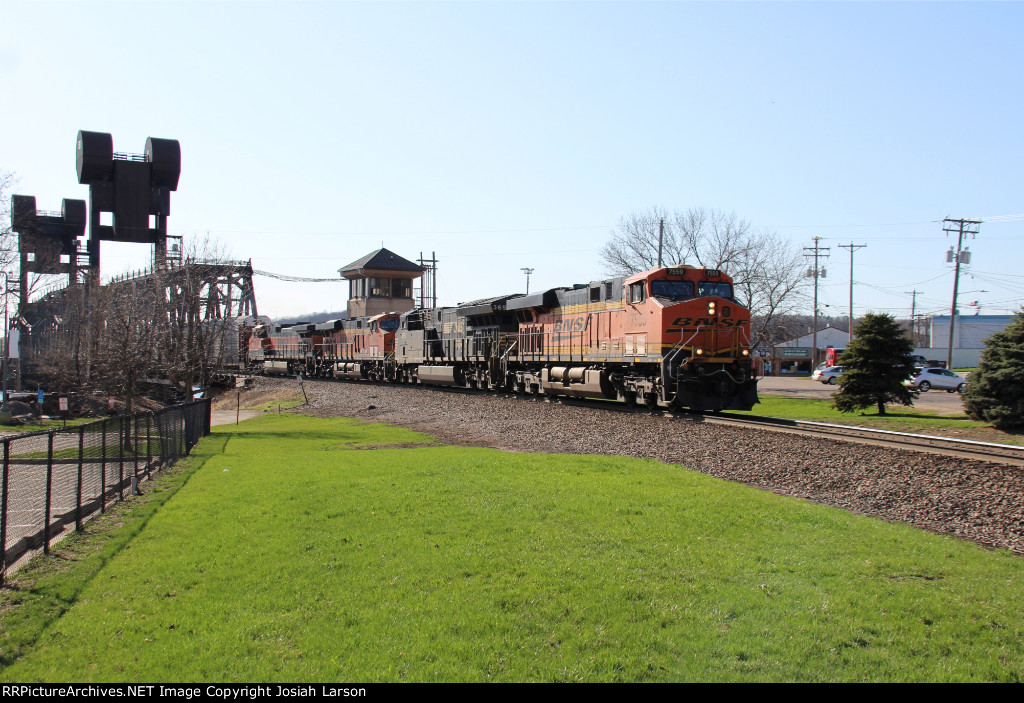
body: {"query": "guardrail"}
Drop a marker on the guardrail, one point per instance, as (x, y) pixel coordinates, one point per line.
(55, 478)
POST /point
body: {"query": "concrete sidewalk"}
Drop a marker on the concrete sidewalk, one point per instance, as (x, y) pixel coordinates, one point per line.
(227, 417)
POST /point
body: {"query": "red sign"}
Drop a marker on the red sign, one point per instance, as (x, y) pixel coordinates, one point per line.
(62, 404)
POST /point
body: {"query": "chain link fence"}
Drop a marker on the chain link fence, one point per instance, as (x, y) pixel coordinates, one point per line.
(57, 478)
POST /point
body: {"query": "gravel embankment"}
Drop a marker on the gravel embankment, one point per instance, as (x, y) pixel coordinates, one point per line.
(975, 500)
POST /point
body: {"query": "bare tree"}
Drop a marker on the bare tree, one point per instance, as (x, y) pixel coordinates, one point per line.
(154, 328)
(8, 242)
(128, 321)
(767, 271)
(714, 239)
(634, 243)
(697, 236)
(769, 277)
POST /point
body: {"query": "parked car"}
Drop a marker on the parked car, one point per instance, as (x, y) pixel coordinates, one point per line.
(924, 379)
(923, 362)
(827, 374)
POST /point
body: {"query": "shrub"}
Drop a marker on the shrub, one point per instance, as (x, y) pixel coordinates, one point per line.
(876, 362)
(995, 391)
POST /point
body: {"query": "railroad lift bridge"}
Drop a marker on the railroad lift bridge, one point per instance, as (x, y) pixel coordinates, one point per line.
(129, 201)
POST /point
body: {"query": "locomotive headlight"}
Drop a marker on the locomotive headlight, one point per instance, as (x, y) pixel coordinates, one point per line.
(711, 307)
(699, 351)
(746, 352)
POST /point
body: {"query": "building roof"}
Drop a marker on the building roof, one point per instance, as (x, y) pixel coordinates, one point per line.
(828, 336)
(380, 260)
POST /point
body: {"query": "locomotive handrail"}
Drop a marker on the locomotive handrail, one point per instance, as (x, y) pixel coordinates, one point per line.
(509, 349)
(671, 356)
(692, 337)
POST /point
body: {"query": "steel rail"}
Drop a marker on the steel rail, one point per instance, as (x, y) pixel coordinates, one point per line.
(964, 448)
(967, 448)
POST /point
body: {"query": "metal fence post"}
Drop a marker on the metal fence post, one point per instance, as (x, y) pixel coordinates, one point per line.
(78, 485)
(3, 512)
(103, 467)
(49, 492)
(120, 457)
(135, 447)
(158, 421)
(149, 445)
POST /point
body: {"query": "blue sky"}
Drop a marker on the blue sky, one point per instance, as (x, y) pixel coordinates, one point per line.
(509, 135)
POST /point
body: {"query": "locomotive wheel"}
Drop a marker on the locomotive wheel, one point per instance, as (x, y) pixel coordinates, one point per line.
(651, 400)
(629, 398)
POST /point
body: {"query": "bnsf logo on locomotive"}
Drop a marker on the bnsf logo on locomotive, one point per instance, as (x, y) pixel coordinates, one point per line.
(573, 325)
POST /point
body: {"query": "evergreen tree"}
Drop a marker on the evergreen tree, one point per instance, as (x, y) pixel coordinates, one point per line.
(995, 392)
(876, 363)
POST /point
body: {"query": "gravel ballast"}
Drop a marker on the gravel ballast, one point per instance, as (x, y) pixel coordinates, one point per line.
(975, 500)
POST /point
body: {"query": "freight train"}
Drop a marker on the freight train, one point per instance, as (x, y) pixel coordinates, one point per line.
(671, 336)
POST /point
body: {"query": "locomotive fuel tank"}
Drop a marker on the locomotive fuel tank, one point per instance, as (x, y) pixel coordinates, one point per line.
(578, 382)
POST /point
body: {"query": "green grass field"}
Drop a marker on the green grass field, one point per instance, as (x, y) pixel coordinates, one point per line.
(302, 549)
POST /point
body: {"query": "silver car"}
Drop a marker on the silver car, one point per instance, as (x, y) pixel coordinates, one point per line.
(827, 374)
(924, 379)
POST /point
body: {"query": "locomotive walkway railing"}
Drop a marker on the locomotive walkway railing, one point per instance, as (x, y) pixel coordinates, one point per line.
(57, 478)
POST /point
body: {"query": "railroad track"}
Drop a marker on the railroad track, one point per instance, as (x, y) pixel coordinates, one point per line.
(948, 446)
(965, 448)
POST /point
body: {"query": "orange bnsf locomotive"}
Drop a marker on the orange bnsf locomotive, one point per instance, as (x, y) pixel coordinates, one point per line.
(673, 337)
(356, 348)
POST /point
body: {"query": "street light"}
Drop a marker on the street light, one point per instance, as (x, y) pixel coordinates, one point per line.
(527, 271)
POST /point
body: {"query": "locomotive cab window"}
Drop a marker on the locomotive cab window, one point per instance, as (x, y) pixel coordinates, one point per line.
(714, 288)
(672, 290)
(636, 292)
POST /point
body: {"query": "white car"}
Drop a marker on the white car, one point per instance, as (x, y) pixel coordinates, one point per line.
(827, 374)
(924, 379)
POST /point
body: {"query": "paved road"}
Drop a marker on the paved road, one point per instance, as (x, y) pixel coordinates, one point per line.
(934, 401)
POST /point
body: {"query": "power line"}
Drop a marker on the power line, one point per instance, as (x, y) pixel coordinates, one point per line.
(298, 279)
(417, 233)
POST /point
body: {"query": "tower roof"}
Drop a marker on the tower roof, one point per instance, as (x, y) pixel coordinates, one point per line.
(380, 260)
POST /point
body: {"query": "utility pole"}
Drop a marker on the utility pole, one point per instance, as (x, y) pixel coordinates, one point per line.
(527, 271)
(852, 247)
(962, 256)
(913, 317)
(661, 238)
(816, 272)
